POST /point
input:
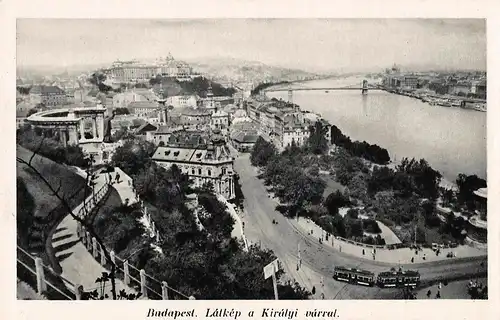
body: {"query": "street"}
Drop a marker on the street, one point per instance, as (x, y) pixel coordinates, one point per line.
(319, 260)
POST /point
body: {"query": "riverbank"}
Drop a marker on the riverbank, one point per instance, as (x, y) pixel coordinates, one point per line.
(446, 101)
(453, 141)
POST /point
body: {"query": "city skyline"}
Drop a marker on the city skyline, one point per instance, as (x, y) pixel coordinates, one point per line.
(316, 45)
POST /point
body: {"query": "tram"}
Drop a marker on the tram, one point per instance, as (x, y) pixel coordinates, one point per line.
(398, 279)
(354, 276)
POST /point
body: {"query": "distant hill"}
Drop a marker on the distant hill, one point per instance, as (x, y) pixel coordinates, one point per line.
(235, 70)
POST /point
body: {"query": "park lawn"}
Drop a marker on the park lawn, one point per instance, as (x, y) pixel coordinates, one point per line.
(331, 185)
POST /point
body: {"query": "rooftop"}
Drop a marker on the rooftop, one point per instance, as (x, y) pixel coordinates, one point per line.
(42, 89)
(188, 111)
(220, 113)
(143, 105)
(245, 137)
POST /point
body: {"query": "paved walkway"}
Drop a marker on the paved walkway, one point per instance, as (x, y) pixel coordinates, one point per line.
(78, 265)
(124, 186)
(454, 290)
(399, 256)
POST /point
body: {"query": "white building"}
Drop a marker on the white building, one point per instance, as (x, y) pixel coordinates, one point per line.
(182, 101)
(163, 134)
(203, 163)
(122, 100)
(297, 135)
(220, 120)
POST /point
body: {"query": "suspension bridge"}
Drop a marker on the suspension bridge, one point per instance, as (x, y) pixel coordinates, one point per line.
(363, 87)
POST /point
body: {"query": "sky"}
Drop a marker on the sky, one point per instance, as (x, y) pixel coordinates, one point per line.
(308, 44)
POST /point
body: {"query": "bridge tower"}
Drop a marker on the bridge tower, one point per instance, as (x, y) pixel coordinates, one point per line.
(364, 88)
(290, 96)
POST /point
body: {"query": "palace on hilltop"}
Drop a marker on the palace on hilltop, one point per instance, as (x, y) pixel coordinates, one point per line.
(135, 71)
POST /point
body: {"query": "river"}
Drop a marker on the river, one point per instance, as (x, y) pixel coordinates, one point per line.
(452, 140)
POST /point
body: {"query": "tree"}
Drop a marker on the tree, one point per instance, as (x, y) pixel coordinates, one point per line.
(239, 197)
(132, 156)
(448, 196)
(120, 111)
(334, 201)
(381, 178)
(317, 141)
(25, 212)
(32, 111)
(426, 180)
(207, 187)
(262, 152)
(466, 187)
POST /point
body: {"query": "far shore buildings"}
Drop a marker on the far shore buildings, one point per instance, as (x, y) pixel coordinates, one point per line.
(204, 159)
(48, 95)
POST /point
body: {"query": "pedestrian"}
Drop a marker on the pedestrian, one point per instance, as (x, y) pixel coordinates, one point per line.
(438, 295)
(117, 177)
(439, 286)
(429, 294)
(412, 259)
(363, 251)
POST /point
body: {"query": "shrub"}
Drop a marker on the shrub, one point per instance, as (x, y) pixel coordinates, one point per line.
(371, 226)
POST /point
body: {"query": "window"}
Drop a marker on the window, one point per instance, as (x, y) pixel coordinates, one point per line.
(192, 171)
(199, 171)
(209, 172)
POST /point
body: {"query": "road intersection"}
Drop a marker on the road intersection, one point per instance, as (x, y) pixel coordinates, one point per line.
(318, 260)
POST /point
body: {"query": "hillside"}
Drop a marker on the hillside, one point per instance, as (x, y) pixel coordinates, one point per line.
(198, 86)
(235, 70)
(38, 210)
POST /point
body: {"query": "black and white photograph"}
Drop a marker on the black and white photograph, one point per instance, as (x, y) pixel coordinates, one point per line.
(251, 159)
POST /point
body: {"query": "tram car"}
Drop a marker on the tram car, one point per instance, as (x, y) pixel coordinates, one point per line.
(398, 279)
(354, 276)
